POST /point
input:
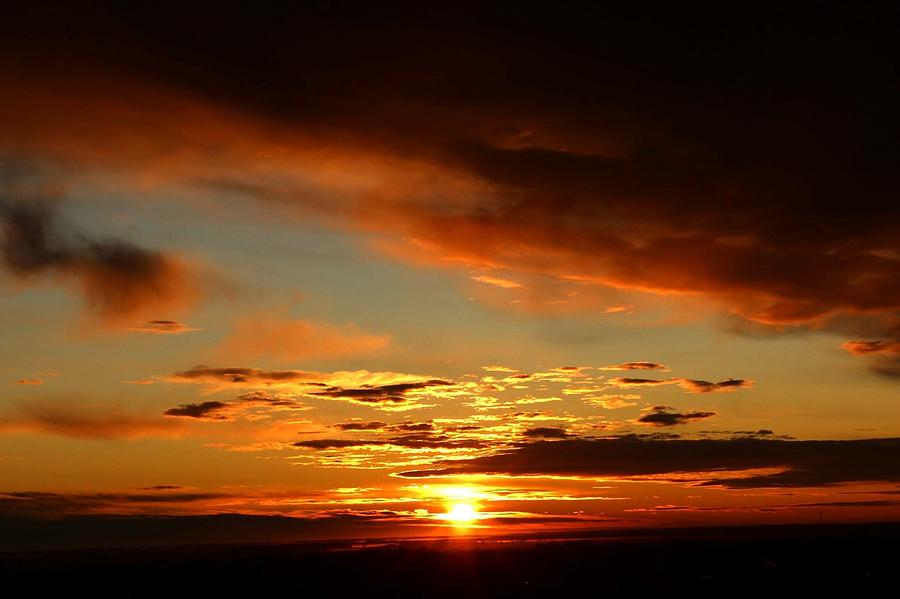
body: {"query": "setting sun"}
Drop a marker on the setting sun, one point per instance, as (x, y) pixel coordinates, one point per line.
(461, 513)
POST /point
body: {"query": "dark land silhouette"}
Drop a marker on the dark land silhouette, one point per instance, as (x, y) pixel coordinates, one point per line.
(852, 559)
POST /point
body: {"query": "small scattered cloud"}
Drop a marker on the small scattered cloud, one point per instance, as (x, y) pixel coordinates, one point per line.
(636, 366)
(689, 385)
(533, 400)
(545, 432)
(220, 410)
(613, 401)
(698, 386)
(497, 282)
(207, 410)
(222, 378)
(253, 376)
(864, 348)
(162, 327)
(413, 427)
(372, 425)
(377, 394)
(627, 381)
(665, 416)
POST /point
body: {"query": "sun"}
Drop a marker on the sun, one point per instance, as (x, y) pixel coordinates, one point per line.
(461, 513)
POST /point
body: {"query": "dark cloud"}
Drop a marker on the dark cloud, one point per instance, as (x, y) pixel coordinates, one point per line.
(698, 386)
(33, 532)
(884, 355)
(545, 432)
(759, 433)
(636, 366)
(549, 519)
(664, 416)
(35, 529)
(519, 377)
(371, 394)
(337, 443)
(870, 503)
(206, 374)
(46, 504)
(423, 441)
(373, 425)
(412, 441)
(771, 508)
(162, 327)
(265, 398)
(888, 367)
(689, 385)
(723, 462)
(413, 427)
(882, 492)
(116, 278)
(219, 410)
(212, 410)
(664, 155)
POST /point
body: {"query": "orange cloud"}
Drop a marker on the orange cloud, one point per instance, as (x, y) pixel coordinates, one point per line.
(863, 348)
(579, 186)
(497, 281)
(289, 340)
(83, 422)
(219, 378)
(613, 402)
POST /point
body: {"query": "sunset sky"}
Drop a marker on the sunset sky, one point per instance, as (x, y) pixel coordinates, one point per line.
(418, 272)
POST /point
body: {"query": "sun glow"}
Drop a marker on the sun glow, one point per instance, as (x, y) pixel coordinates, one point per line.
(462, 503)
(461, 513)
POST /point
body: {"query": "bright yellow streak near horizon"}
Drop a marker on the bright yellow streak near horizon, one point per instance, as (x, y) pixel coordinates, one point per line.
(461, 513)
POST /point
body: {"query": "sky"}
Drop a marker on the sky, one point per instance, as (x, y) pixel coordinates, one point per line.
(413, 271)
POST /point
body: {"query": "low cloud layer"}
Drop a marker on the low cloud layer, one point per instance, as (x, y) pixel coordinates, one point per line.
(731, 463)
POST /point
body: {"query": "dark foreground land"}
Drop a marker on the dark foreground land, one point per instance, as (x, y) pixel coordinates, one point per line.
(853, 559)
